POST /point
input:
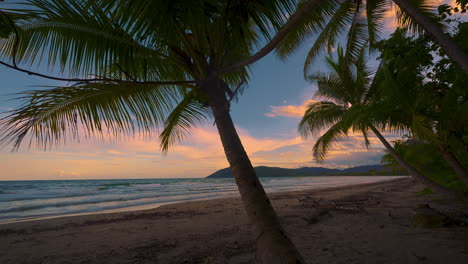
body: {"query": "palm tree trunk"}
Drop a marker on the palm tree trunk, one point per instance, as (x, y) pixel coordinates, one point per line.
(455, 164)
(273, 246)
(445, 41)
(413, 171)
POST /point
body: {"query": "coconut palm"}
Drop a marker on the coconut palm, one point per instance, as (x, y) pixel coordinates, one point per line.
(433, 117)
(363, 21)
(350, 88)
(137, 66)
(432, 123)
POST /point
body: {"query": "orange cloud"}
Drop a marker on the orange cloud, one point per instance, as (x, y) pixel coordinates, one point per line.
(198, 156)
(67, 174)
(289, 110)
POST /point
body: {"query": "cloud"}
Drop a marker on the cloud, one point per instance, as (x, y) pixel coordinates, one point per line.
(115, 152)
(62, 173)
(198, 156)
(296, 111)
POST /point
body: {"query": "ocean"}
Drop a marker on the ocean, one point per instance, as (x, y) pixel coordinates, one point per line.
(24, 200)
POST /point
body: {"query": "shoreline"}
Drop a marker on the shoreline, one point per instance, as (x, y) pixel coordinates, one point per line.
(367, 223)
(141, 208)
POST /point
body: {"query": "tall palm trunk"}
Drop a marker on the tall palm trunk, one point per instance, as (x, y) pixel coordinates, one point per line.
(455, 164)
(450, 47)
(273, 246)
(413, 171)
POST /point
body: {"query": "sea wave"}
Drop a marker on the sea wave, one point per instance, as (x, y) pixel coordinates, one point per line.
(32, 199)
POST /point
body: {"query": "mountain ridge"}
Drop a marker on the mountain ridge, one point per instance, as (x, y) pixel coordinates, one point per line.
(264, 171)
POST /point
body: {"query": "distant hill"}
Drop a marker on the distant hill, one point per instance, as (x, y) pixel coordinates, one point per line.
(365, 168)
(263, 171)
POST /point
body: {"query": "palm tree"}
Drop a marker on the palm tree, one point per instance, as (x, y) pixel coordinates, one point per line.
(148, 65)
(423, 118)
(363, 22)
(415, 11)
(350, 89)
(431, 116)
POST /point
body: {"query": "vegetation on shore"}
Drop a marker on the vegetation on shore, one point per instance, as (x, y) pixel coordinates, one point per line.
(416, 89)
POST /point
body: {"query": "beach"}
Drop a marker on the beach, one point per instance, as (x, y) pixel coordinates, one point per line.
(366, 223)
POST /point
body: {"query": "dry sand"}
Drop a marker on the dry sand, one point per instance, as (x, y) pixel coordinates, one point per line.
(361, 224)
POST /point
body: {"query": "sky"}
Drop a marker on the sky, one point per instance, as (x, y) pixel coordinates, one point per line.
(266, 118)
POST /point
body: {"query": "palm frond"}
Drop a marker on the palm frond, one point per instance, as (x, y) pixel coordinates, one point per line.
(405, 20)
(366, 137)
(325, 141)
(423, 130)
(326, 40)
(82, 38)
(52, 116)
(312, 24)
(357, 38)
(186, 115)
(349, 80)
(329, 87)
(318, 116)
(375, 12)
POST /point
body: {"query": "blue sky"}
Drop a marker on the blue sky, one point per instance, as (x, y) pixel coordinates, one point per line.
(266, 117)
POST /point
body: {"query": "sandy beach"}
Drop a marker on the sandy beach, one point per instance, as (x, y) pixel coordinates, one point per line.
(369, 223)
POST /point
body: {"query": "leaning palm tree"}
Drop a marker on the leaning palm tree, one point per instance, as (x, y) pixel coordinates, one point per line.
(363, 22)
(140, 66)
(349, 88)
(431, 116)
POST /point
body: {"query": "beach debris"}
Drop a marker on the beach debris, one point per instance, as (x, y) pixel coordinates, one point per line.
(425, 216)
(324, 204)
(317, 203)
(312, 219)
(235, 246)
(353, 210)
(208, 260)
(327, 205)
(421, 258)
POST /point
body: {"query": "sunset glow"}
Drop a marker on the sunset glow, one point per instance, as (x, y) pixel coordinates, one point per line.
(266, 116)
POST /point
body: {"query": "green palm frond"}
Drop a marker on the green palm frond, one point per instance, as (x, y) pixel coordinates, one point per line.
(329, 86)
(347, 85)
(364, 77)
(338, 120)
(327, 38)
(357, 39)
(312, 24)
(375, 12)
(187, 114)
(52, 116)
(325, 141)
(137, 41)
(422, 129)
(362, 24)
(374, 84)
(355, 76)
(318, 116)
(366, 137)
(81, 38)
(425, 7)
(265, 13)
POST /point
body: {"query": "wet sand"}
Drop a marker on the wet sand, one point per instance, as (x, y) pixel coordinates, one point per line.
(357, 224)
